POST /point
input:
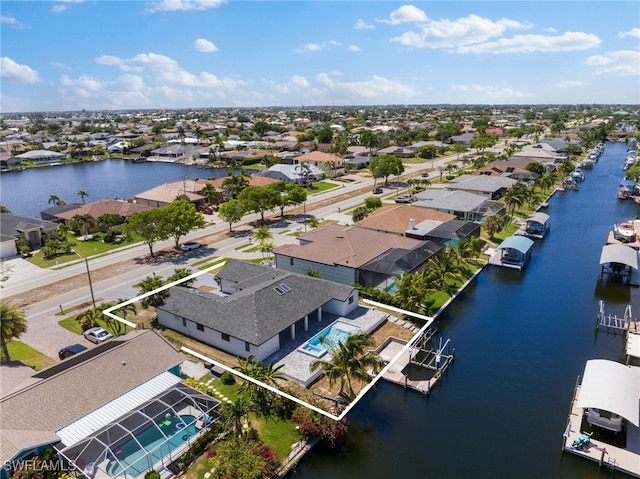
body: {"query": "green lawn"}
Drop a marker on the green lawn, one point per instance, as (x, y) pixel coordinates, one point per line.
(92, 247)
(19, 351)
(72, 324)
(280, 435)
(321, 186)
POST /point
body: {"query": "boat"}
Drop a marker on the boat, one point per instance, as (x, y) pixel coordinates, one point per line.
(577, 174)
(625, 231)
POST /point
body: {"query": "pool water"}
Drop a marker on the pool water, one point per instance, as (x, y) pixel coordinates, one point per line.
(130, 456)
(328, 338)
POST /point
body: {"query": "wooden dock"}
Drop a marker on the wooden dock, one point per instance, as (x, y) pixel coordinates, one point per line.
(625, 459)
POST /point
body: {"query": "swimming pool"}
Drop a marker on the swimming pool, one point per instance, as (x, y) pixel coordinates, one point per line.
(130, 456)
(328, 338)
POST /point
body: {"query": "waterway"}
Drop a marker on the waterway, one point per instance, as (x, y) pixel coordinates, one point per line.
(27, 192)
(521, 340)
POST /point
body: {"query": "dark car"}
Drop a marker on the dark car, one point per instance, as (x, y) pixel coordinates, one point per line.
(68, 351)
(377, 191)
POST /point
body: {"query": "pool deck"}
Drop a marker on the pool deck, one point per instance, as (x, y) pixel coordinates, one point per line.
(296, 363)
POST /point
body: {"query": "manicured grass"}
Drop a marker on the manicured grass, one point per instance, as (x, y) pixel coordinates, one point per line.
(211, 262)
(280, 435)
(229, 390)
(19, 351)
(92, 247)
(321, 186)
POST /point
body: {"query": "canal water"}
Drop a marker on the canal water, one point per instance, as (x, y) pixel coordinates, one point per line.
(521, 340)
(27, 192)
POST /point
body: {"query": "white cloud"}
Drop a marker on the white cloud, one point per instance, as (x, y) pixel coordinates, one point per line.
(164, 70)
(454, 33)
(353, 48)
(404, 14)
(634, 32)
(571, 84)
(376, 87)
(182, 5)
(62, 5)
(567, 42)
(300, 81)
(362, 25)
(15, 72)
(9, 20)
(619, 63)
(492, 93)
(316, 47)
(203, 45)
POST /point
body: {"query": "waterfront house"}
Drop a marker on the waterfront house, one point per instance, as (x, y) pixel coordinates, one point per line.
(256, 308)
(355, 255)
(300, 174)
(95, 408)
(404, 220)
(164, 194)
(101, 207)
(16, 227)
(464, 205)
(491, 187)
(41, 156)
(328, 163)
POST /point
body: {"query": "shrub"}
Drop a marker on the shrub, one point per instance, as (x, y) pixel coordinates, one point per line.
(152, 474)
(227, 378)
(373, 202)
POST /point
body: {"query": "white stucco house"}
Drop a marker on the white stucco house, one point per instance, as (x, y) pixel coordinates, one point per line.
(256, 308)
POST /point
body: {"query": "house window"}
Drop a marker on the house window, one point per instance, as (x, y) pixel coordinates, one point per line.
(200, 327)
(225, 337)
(247, 347)
(350, 299)
(291, 261)
(184, 323)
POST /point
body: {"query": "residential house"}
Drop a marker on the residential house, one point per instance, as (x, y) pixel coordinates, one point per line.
(400, 219)
(256, 309)
(513, 172)
(300, 174)
(164, 194)
(92, 406)
(41, 156)
(16, 227)
(327, 162)
(354, 255)
(102, 207)
(492, 187)
(464, 205)
(398, 151)
(463, 139)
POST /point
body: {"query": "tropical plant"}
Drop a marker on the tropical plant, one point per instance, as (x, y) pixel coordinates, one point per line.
(56, 200)
(82, 223)
(82, 194)
(493, 224)
(349, 360)
(313, 223)
(443, 272)
(234, 415)
(148, 284)
(243, 458)
(263, 233)
(181, 273)
(359, 213)
(12, 325)
(90, 318)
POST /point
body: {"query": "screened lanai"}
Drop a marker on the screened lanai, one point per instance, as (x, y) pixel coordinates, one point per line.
(151, 435)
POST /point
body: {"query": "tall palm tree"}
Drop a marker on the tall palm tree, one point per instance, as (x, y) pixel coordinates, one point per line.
(235, 414)
(148, 284)
(262, 234)
(412, 290)
(349, 360)
(82, 194)
(443, 272)
(493, 224)
(13, 324)
(117, 327)
(89, 319)
(56, 200)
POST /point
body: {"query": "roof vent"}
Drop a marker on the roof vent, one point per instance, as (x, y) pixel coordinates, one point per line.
(339, 236)
(285, 288)
(279, 290)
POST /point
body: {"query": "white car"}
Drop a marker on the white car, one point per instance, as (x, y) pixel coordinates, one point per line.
(190, 245)
(97, 335)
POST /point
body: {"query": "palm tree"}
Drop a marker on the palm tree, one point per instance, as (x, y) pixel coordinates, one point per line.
(349, 359)
(443, 272)
(412, 291)
(262, 234)
(493, 224)
(313, 223)
(116, 326)
(82, 194)
(180, 273)
(56, 200)
(210, 193)
(83, 221)
(235, 414)
(89, 319)
(13, 324)
(148, 284)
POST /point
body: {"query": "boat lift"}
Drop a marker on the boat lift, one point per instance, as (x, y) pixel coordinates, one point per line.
(434, 359)
(613, 322)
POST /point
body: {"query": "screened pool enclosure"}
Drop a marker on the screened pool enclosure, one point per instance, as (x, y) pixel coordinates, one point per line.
(151, 436)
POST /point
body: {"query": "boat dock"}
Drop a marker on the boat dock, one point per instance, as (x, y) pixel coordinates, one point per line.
(422, 368)
(625, 458)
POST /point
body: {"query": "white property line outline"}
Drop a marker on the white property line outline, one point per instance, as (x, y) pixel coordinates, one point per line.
(428, 321)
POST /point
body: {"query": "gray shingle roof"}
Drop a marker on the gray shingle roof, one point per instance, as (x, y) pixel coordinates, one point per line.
(257, 312)
(12, 225)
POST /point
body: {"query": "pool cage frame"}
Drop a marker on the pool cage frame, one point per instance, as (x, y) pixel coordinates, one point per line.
(94, 453)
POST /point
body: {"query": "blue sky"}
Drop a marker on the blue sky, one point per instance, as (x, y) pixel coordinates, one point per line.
(102, 55)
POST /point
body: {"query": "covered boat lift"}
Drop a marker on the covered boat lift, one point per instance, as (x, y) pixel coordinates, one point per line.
(537, 225)
(618, 262)
(514, 252)
(609, 394)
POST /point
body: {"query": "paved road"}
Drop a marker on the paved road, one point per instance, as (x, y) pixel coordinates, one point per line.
(44, 333)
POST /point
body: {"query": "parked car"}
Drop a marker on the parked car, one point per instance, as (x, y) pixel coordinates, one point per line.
(190, 245)
(378, 191)
(404, 199)
(69, 351)
(425, 174)
(97, 335)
